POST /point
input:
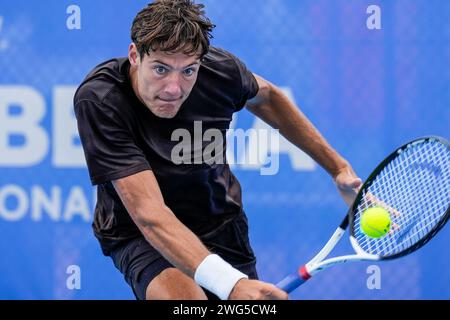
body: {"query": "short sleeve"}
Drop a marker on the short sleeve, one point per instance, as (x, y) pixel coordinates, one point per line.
(108, 144)
(249, 84)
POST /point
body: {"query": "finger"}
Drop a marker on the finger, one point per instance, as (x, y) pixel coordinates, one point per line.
(395, 228)
(351, 184)
(357, 183)
(374, 200)
(277, 294)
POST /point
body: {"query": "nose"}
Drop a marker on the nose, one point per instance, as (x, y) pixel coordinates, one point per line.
(173, 87)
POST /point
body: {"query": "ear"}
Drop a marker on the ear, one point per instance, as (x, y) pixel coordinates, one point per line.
(133, 55)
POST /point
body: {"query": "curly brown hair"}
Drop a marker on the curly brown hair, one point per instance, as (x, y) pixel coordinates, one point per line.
(172, 26)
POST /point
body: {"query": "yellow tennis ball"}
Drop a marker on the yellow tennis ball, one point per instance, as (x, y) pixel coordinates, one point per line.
(375, 222)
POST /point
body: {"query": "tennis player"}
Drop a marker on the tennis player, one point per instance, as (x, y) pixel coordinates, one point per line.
(179, 231)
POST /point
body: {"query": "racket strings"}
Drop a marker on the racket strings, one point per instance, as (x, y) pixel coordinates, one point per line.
(425, 197)
(414, 188)
(407, 234)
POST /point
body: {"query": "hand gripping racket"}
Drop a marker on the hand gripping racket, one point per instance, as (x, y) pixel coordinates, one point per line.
(413, 184)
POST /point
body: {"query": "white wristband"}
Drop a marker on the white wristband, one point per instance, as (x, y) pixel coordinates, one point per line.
(217, 276)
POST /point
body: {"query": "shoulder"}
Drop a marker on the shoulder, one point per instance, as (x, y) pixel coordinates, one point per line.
(105, 79)
(217, 55)
(223, 72)
(222, 61)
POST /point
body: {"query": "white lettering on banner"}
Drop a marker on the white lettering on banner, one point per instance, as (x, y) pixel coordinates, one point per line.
(26, 124)
(300, 160)
(66, 153)
(40, 203)
(76, 205)
(53, 204)
(3, 42)
(22, 203)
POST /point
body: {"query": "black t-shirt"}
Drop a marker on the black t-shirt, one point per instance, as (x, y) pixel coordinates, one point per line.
(122, 137)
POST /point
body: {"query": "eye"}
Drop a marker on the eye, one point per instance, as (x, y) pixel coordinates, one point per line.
(189, 72)
(160, 69)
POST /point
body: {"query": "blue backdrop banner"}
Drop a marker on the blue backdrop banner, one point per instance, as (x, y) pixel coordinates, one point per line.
(371, 75)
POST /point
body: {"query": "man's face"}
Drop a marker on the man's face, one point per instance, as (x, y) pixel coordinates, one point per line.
(164, 80)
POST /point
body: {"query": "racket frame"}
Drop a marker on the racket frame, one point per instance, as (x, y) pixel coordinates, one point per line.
(371, 179)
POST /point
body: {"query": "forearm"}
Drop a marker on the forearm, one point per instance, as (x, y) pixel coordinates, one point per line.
(179, 245)
(279, 112)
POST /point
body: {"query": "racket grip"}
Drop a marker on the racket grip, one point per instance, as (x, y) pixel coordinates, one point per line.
(291, 282)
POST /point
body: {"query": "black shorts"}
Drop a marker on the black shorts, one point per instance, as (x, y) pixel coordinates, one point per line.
(140, 263)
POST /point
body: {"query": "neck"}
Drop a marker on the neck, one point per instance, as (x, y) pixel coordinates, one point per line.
(134, 81)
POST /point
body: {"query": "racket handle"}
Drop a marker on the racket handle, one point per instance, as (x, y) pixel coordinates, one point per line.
(291, 282)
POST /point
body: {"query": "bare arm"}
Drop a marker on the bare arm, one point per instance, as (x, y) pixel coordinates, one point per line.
(143, 200)
(275, 108)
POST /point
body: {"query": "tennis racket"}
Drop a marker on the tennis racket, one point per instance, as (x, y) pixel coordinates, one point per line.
(413, 185)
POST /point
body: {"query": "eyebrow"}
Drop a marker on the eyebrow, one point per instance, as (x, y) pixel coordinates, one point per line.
(167, 65)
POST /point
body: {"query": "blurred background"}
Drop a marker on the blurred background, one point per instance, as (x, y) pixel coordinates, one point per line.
(370, 80)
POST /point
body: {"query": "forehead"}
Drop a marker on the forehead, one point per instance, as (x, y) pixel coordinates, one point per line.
(174, 59)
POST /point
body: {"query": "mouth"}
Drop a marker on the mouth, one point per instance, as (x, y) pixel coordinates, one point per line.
(169, 100)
